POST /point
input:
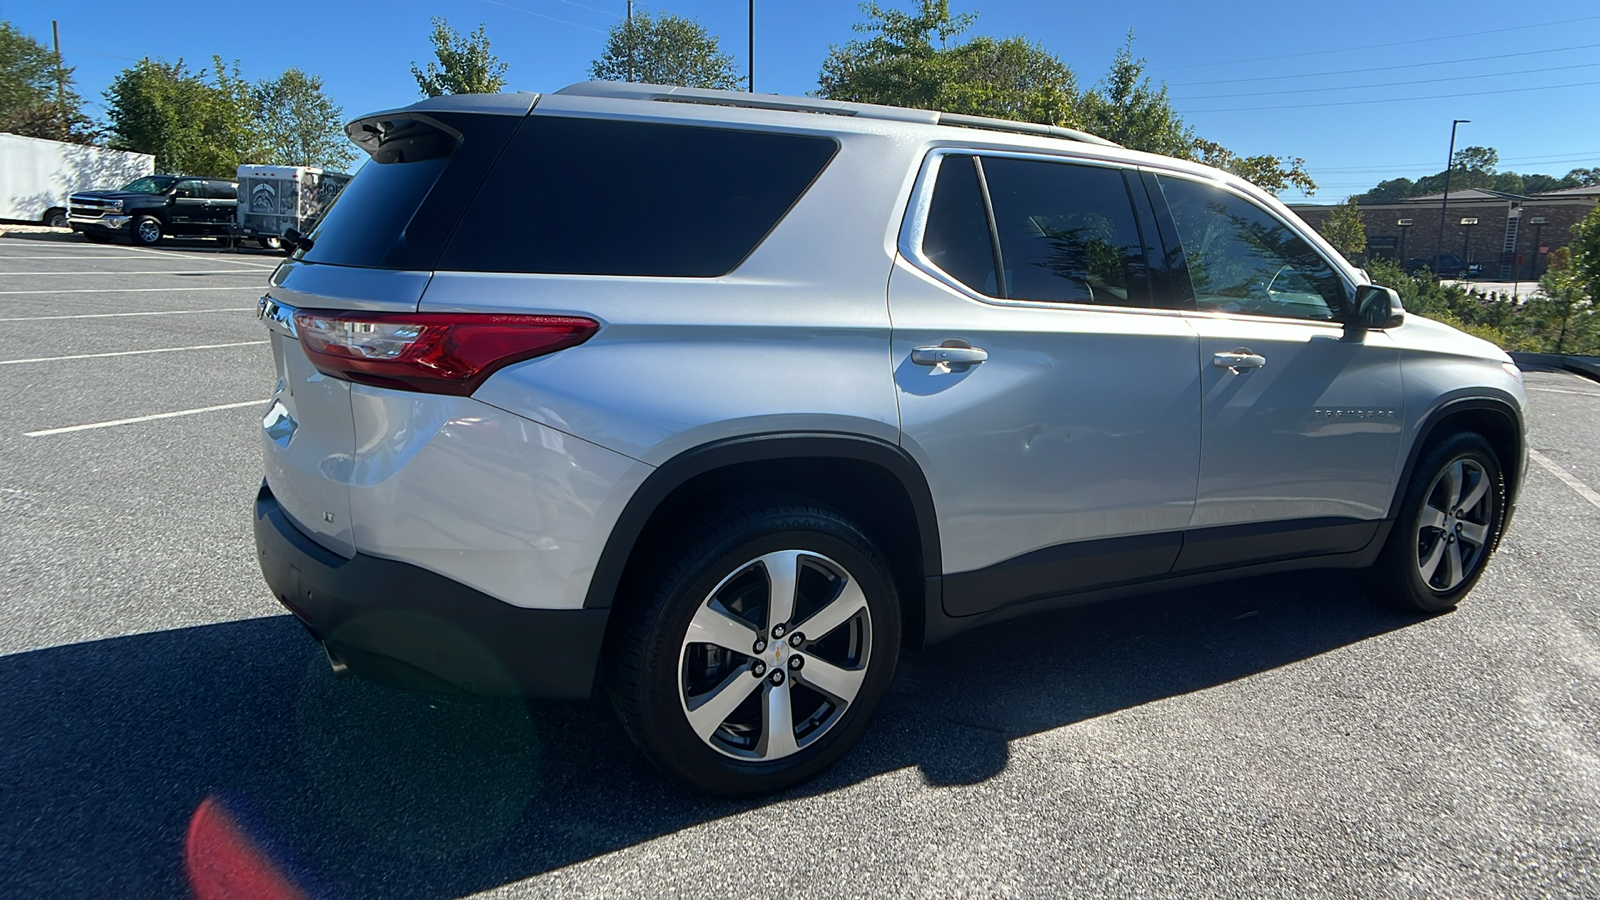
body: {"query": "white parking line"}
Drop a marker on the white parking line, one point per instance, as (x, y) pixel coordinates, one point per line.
(163, 312)
(1560, 391)
(232, 287)
(168, 254)
(233, 272)
(41, 359)
(136, 419)
(59, 256)
(1583, 490)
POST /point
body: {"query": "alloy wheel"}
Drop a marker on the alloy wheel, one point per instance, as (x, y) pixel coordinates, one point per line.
(1454, 526)
(775, 655)
(149, 232)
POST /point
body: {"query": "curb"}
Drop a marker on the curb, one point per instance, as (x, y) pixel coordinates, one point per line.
(1587, 366)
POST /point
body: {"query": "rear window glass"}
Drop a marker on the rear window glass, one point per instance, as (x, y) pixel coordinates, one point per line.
(591, 197)
(957, 238)
(402, 206)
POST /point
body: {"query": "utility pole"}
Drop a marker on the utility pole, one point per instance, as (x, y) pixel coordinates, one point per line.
(752, 46)
(61, 78)
(1444, 202)
(629, 30)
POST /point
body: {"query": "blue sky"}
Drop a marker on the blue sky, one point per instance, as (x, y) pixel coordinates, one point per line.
(1321, 85)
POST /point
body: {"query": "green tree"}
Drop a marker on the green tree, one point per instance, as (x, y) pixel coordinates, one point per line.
(665, 50)
(1344, 229)
(1585, 177)
(913, 59)
(36, 92)
(1125, 107)
(194, 123)
(297, 125)
(464, 66)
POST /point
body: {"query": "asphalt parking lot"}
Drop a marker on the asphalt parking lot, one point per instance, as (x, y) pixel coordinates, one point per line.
(1273, 737)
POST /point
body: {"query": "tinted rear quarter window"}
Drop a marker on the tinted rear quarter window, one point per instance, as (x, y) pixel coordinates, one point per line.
(956, 238)
(596, 197)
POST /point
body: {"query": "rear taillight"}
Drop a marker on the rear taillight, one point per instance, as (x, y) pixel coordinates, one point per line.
(437, 353)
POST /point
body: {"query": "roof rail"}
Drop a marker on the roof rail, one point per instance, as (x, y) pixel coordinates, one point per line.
(1069, 134)
(619, 90)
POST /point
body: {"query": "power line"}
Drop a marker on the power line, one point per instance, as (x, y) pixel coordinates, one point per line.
(1447, 62)
(1359, 87)
(1546, 87)
(543, 16)
(1447, 37)
(1539, 160)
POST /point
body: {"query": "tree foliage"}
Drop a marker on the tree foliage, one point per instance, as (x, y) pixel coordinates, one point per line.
(37, 98)
(297, 125)
(912, 59)
(195, 123)
(1345, 230)
(464, 64)
(1476, 167)
(665, 50)
(917, 58)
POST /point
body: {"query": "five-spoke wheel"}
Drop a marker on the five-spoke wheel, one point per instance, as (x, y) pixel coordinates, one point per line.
(1448, 523)
(761, 650)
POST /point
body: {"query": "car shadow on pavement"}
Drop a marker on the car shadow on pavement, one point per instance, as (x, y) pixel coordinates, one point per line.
(133, 762)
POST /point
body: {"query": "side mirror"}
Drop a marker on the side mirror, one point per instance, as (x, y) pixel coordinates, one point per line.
(294, 240)
(1378, 307)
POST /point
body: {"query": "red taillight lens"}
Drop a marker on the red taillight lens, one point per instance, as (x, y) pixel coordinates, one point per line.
(437, 353)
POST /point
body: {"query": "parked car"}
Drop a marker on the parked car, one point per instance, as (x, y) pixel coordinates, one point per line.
(1443, 266)
(763, 389)
(154, 206)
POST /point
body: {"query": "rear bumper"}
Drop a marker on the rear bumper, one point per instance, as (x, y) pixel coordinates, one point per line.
(407, 627)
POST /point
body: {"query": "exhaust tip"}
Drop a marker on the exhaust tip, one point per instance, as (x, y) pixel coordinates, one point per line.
(341, 669)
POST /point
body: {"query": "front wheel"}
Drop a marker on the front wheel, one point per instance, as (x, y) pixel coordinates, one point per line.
(762, 650)
(1449, 523)
(146, 231)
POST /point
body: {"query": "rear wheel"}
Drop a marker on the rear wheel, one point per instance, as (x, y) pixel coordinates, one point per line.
(1449, 524)
(55, 217)
(270, 243)
(761, 652)
(146, 231)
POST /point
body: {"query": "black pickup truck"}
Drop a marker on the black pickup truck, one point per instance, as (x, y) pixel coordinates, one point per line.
(156, 205)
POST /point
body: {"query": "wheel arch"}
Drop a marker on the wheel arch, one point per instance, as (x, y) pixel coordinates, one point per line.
(1494, 415)
(874, 482)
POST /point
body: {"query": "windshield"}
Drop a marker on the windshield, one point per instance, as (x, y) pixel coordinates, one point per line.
(151, 184)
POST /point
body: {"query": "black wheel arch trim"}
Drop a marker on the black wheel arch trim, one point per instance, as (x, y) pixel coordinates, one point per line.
(1466, 400)
(760, 448)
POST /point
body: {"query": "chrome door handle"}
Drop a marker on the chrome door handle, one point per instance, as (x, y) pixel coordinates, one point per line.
(1237, 361)
(948, 356)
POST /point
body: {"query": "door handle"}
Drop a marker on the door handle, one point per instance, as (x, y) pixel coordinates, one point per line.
(1239, 360)
(948, 356)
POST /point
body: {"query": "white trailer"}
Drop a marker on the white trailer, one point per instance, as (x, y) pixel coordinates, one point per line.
(274, 199)
(37, 176)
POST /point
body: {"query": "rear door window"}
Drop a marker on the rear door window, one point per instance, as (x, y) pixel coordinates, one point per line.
(596, 197)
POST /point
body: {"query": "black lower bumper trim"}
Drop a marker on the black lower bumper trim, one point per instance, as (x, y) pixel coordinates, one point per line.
(404, 626)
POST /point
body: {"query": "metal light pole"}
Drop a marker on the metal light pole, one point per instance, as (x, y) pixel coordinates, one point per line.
(1538, 229)
(752, 84)
(629, 30)
(1444, 202)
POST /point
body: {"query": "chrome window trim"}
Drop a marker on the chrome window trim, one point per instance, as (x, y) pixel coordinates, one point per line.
(914, 226)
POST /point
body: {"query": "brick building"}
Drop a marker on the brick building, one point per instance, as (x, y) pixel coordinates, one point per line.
(1509, 234)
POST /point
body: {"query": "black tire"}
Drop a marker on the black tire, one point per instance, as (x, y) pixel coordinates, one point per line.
(1422, 535)
(653, 665)
(270, 243)
(55, 217)
(145, 231)
(96, 238)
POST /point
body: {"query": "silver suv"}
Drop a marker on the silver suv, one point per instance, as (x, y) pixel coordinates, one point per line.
(718, 400)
